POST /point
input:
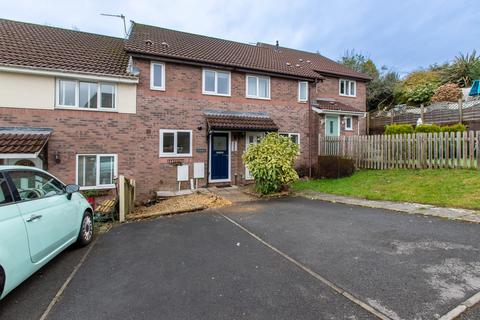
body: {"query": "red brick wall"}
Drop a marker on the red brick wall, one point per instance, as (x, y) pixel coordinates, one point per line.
(76, 132)
(181, 106)
(135, 137)
(329, 88)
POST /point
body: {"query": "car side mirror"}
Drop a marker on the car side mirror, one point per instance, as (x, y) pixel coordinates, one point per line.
(70, 189)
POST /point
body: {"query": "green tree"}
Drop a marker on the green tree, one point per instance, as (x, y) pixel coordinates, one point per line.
(271, 162)
(418, 87)
(464, 69)
(359, 63)
(381, 90)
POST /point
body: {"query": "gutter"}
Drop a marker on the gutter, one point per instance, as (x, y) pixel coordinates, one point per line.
(67, 73)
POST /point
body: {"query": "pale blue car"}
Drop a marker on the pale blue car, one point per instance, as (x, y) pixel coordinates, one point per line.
(39, 217)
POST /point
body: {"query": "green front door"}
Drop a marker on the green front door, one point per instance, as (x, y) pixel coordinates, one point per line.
(332, 126)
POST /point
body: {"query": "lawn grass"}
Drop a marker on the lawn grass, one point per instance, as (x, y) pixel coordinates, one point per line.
(440, 187)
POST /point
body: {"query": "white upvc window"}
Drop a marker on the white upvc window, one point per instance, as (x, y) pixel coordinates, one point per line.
(258, 87)
(216, 82)
(348, 123)
(302, 91)
(86, 95)
(295, 137)
(96, 171)
(157, 76)
(347, 88)
(175, 143)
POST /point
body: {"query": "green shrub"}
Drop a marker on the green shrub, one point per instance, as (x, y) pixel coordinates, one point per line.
(334, 167)
(271, 163)
(447, 92)
(454, 128)
(398, 129)
(427, 128)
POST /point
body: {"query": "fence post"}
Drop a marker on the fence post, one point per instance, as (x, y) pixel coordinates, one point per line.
(460, 110)
(121, 197)
(367, 124)
(477, 149)
(422, 113)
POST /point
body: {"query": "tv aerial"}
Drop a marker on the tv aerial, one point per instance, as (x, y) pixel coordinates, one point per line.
(121, 16)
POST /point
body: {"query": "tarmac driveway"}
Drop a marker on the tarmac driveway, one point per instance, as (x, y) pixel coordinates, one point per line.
(283, 259)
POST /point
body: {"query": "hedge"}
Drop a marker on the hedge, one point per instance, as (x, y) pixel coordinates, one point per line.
(423, 128)
(399, 129)
(427, 128)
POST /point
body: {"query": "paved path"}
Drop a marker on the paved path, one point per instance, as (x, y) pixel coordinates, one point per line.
(406, 207)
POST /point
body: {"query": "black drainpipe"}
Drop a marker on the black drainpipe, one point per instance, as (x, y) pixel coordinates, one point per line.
(209, 132)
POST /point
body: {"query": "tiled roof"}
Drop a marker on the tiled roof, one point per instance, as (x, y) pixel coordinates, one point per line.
(23, 140)
(335, 106)
(244, 121)
(31, 45)
(155, 41)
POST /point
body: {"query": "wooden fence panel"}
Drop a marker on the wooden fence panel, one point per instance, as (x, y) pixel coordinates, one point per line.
(422, 150)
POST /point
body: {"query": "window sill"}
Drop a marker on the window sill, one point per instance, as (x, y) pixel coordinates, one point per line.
(347, 96)
(175, 155)
(206, 93)
(348, 129)
(302, 101)
(157, 88)
(257, 98)
(87, 109)
(104, 187)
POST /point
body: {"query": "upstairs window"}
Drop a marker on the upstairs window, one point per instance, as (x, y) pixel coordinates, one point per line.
(67, 93)
(258, 87)
(216, 82)
(302, 91)
(347, 88)
(157, 76)
(86, 95)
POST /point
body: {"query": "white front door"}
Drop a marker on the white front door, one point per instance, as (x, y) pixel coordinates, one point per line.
(250, 139)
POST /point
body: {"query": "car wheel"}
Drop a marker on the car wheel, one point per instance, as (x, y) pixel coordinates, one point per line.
(2, 280)
(86, 230)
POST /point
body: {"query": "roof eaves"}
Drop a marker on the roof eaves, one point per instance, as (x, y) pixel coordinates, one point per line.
(67, 71)
(358, 76)
(199, 62)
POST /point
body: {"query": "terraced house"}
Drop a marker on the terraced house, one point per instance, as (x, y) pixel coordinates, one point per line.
(89, 107)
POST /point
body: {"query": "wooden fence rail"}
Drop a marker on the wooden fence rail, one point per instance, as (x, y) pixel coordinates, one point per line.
(421, 150)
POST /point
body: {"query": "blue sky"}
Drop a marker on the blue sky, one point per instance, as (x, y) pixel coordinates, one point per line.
(403, 35)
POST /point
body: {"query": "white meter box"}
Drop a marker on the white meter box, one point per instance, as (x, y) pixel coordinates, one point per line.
(199, 170)
(182, 172)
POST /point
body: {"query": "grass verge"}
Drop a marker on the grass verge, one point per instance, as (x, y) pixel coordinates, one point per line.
(440, 187)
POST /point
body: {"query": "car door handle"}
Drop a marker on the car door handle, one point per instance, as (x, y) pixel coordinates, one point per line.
(34, 217)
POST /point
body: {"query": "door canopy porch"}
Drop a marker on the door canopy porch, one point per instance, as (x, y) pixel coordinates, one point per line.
(330, 106)
(23, 143)
(239, 121)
